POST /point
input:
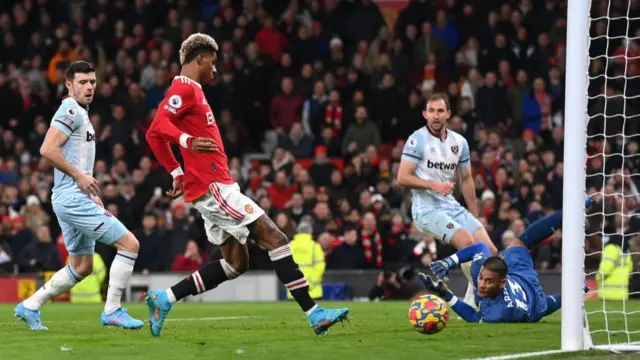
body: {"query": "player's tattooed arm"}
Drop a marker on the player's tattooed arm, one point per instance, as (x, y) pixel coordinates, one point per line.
(51, 150)
(468, 188)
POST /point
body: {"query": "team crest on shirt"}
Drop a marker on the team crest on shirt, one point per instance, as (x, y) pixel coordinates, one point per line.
(248, 208)
(454, 149)
(449, 226)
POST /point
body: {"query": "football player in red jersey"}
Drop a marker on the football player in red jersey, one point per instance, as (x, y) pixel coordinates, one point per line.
(185, 118)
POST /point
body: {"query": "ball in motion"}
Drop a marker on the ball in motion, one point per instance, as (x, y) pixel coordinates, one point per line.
(428, 314)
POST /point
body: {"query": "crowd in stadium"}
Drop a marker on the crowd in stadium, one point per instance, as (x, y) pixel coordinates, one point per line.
(328, 93)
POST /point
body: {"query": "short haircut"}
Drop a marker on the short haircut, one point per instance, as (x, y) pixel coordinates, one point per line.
(195, 45)
(75, 67)
(440, 96)
(497, 265)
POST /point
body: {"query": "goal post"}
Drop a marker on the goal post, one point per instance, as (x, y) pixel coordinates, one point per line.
(575, 140)
(615, 324)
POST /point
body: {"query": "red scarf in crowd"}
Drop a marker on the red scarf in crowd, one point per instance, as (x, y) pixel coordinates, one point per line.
(369, 240)
(333, 118)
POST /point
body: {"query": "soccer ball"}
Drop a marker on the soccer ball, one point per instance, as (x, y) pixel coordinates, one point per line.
(428, 314)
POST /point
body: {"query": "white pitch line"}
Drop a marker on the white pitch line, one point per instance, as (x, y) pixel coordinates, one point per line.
(521, 355)
(213, 318)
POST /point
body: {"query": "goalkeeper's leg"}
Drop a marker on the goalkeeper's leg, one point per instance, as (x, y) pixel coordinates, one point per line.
(234, 263)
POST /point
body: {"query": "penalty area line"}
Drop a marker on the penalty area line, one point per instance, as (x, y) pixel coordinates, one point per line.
(211, 318)
(522, 355)
(214, 318)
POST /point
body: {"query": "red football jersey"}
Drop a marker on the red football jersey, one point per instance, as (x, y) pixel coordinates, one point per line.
(183, 114)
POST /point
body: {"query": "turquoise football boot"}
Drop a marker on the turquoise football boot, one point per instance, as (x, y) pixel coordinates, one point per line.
(322, 319)
(121, 319)
(29, 317)
(159, 307)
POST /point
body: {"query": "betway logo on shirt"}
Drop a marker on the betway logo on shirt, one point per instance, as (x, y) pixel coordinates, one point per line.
(441, 165)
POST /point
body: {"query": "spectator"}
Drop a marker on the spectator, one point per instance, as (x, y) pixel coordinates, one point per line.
(320, 170)
(347, 255)
(536, 108)
(40, 255)
(191, 260)
(314, 107)
(153, 246)
(491, 103)
(360, 134)
(297, 142)
(34, 216)
(286, 108)
(270, 40)
(428, 43)
(280, 191)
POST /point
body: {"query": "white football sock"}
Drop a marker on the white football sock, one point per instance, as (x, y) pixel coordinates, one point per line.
(469, 296)
(171, 296)
(119, 275)
(60, 282)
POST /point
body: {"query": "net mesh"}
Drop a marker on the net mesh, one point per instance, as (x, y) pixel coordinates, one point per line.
(613, 173)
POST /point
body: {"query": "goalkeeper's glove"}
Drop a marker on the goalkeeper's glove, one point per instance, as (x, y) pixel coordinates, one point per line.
(436, 287)
(441, 268)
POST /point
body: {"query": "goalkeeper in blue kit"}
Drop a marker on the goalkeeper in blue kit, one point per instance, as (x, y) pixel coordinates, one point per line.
(507, 287)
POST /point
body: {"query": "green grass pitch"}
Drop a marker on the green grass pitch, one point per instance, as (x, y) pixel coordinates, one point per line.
(280, 331)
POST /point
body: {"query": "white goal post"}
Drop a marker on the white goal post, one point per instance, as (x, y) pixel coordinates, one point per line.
(576, 334)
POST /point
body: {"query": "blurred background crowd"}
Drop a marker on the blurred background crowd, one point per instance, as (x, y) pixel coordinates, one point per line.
(314, 99)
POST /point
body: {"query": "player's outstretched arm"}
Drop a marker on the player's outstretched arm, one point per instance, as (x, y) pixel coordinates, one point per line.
(51, 150)
(476, 251)
(465, 311)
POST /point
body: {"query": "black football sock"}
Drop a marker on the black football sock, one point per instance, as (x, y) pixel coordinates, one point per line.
(290, 275)
(206, 278)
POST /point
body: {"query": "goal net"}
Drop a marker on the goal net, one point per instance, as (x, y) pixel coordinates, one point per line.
(611, 227)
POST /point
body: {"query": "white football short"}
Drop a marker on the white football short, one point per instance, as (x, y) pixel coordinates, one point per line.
(227, 212)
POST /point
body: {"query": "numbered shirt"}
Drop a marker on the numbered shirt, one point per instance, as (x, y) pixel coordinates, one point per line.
(79, 149)
(185, 110)
(510, 306)
(516, 303)
(436, 160)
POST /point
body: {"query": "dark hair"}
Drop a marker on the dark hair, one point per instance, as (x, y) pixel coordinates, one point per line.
(440, 96)
(497, 265)
(200, 50)
(75, 67)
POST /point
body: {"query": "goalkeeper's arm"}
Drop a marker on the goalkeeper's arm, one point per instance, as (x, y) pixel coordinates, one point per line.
(465, 311)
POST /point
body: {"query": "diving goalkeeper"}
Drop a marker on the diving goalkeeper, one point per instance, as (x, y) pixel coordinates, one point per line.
(507, 287)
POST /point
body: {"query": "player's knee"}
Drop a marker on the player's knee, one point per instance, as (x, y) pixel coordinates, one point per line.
(240, 265)
(128, 243)
(270, 237)
(84, 268)
(461, 239)
(482, 236)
